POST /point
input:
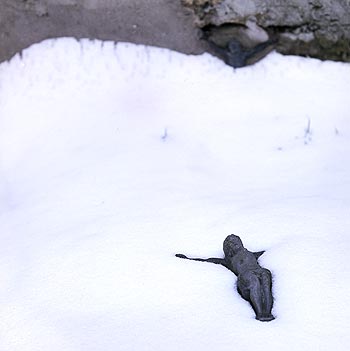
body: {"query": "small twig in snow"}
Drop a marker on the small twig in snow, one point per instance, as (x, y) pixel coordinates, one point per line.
(165, 134)
(308, 133)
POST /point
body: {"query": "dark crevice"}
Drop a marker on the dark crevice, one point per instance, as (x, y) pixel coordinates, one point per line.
(304, 28)
(221, 35)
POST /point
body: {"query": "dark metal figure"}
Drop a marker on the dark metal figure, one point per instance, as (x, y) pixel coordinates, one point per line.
(254, 282)
(236, 55)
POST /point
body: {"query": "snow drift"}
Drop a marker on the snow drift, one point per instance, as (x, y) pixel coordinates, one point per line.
(115, 157)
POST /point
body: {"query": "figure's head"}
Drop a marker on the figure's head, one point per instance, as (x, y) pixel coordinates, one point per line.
(234, 46)
(232, 244)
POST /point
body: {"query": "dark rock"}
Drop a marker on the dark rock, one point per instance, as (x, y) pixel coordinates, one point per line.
(316, 28)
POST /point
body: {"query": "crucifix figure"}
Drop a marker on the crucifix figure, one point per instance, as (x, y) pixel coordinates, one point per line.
(235, 55)
(254, 283)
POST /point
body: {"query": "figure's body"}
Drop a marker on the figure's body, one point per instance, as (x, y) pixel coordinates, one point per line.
(254, 282)
(236, 55)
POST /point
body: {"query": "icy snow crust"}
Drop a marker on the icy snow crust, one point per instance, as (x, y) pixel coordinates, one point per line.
(114, 158)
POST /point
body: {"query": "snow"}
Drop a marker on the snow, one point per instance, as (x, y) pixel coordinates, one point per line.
(115, 157)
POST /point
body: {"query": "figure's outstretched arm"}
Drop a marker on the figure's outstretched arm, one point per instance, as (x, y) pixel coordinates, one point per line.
(218, 50)
(258, 254)
(259, 48)
(211, 260)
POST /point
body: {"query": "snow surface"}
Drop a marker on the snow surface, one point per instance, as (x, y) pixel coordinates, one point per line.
(114, 158)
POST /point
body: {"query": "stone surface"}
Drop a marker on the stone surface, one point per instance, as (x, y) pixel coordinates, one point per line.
(163, 23)
(316, 28)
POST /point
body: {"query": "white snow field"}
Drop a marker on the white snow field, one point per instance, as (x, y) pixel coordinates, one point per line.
(115, 157)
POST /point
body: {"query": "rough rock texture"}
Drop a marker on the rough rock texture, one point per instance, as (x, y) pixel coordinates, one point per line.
(316, 28)
(163, 23)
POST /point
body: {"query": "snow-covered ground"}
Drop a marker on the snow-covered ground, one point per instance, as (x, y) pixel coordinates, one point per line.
(114, 158)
